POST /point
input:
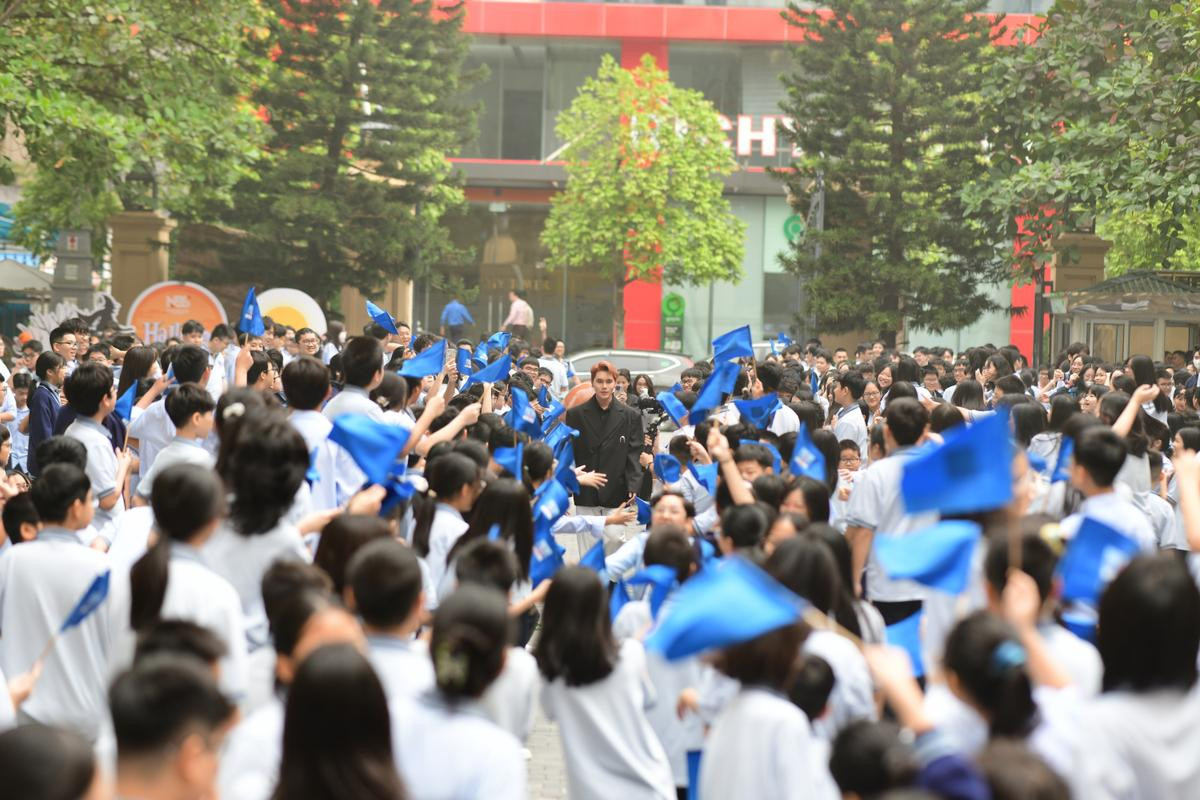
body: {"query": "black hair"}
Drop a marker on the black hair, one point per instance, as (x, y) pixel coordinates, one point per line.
(162, 701)
(1038, 559)
(746, 526)
(983, 651)
(906, 419)
(87, 387)
(337, 735)
(185, 500)
(188, 399)
(290, 613)
(392, 392)
(341, 538)
(968, 394)
(135, 366)
(767, 660)
(811, 685)
(221, 331)
(38, 761)
(538, 460)
(1013, 772)
(57, 488)
(944, 417)
(446, 475)
(486, 563)
(190, 364)
(61, 450)
(869, 758)
(854, 383)
(260, 362)
(669, 545)
(1010, 385)
(504, 503)
(1101, 453)
(577, 643)
(385, 577)
(267, 461)
(179, 637)
(806, 566)
(1190, 437)
(362, 357)
(1149, 630)
(306, 383)
(1062, 408)
(752, 451)
(46, 363)
(816, 497)
(770, 489)
(191, 326)
(470, 634)
(19, 511)
(1145, 374)
(825, 441)
(1028, 420)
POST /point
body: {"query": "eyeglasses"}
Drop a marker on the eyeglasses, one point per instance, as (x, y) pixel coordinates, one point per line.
(850, 460)
(871, 394)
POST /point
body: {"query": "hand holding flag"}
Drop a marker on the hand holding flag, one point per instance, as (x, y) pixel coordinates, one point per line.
(251, 321)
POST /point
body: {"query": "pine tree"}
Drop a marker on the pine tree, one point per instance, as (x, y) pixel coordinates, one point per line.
(884, 95)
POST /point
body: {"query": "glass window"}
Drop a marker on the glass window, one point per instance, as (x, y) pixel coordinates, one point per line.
(568, 66)
(1107, 340)
(510, 99)
(1182, 337)
(1141, 339)
(715, 72)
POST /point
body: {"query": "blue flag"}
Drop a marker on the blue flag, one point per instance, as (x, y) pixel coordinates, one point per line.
(706, 475)
(498, 340)
(564, 473)
(672, 406)
(522, 416)
(661, 580)
(552, 413)
(313, 475)
(644, 510)
(1093, 558)
(1037, 463)
(510, 459)
(494, 532)
(552, 502)
(667, 467)
(399, 488)
(91, 600)
(547, 555)
(561, 433)
(543, 395)
(462, 361)
(594, 558)
(938, 556)
(906, 634)
(724, 605)
(807, 459)
(758, 412)
(784, 340)
(814, 382)
(251, 321)
(374, 446)
(1062, 467)
(777, 456)
(480, 356)
(382, 318)
(429, 361)
(719, 383)
(970, 471)
(619, 598)
(493, 373)
(124, 407)
(737, 343)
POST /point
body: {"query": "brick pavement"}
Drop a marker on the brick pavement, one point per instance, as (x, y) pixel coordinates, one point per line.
(547, 772)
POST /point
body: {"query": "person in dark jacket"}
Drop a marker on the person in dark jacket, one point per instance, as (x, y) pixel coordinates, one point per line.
(610, 442)
(44, 403)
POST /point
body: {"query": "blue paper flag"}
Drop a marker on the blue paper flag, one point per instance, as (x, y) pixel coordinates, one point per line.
(672, 406)
(644, 511)
(719, 383)
(1037, 463)
(661, 580)
(251, 321)
(1062, 467)
(510, 459)
(374, 446)
(313, 475)
(724, 605)
(493, 373)
(398, 489)
(784, 339)
(814, 382)
(667, 467)
(171, 372)
(594, 558)
(493, 533)
(777, 456)
(1093, 558)
(618, 600)
(91, 600)
(970, 471)
(561, 433)
(706, 475)
(552, 502)
(480, 356)
(807, 459)
(124, 407)
(758, 412)
(552, 413)
(938, 556)
(543, 395)
(462, 361)
(906, 634)
(522, 416)
(382, 318)
(564, 473)
(547, 555)
(498, 340)
(737, 343)
(429, 361)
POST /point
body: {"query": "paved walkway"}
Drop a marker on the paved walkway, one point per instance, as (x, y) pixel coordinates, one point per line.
(547, 773)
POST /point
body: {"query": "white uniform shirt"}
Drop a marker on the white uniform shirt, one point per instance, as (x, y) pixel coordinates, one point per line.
(131, 537)
(339, 477)
(784, 421)
(101, 470)
(40, 583)
(761, 746)
(252, 754)
(455, 752)
(511, 699)
(853, 696)
(154, 430)
(181, 450)
(448, 526)
(1077, 658)
(20, 441)
(353, 400)
(403, 665)
(610, 748)
(1117, 513)
(217, 376)
(851, 424)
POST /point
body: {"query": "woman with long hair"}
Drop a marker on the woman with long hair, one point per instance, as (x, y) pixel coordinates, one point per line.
(439, 515)
(504, 504)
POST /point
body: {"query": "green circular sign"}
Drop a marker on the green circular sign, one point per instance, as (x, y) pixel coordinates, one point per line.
(672, 305)
(793, 227)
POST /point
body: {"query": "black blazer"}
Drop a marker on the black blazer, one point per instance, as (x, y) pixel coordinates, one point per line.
(609, 442)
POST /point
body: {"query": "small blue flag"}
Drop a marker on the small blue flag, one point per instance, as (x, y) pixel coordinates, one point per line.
(676, 409)
(619, 599)
(382, 318)
(124, 407)
(552, 413)
(814, 382)
(724, 605)
(374, 446)
(547, 555)
(510, 459)
(1062, 467)
(429, 361)
(737, 343)
(561, 433)
(1037, 463)
(543, 395)
(644, 511)
(758, 412)
(493, 534)
(313, 475)
(719, 383)
(462, 361)
(594, 558)
(677, 387)
(807, 459)
(498, 340)
(522, 416)
(1093, 558)
(398, 489)
(251, 321)
(171, 372)
(661, 580)
(706, 475)
(667, 467)
(906, 634)
(970, 471)
(552, 502)
(91, 600)
(784, 340)
(938, 556)
(493, 373)
(564, 473)
(1081, 626)
(480, 356)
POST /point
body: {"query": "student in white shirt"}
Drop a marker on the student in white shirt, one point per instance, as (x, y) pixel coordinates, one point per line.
(1098, 456)
(190, 409)
(384, 587)
(850, 422)
(438, 518)
(445, 746)
(362, 366)
(40, 583)
(172, 580)
(598, 693)
(306, 384)
(219, 342)
(153, 428)
(91, 394)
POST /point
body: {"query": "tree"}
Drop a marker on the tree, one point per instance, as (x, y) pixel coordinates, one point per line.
(643, 199)
(884, 98)
(364, 107)
(124, 104)
(1094, 119)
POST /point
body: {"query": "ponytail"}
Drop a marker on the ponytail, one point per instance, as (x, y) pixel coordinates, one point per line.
(148, 584)
(990, 663)
(470, 635)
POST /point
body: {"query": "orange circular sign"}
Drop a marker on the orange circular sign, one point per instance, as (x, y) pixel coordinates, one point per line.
(159, 312)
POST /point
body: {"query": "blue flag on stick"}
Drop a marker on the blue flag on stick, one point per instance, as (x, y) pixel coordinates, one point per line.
(493, 373)
(1062, 467)
(718, 384)
(558, 435)
(91, 600)
(382, 318)
(462, 361)
(552, 413)
(313, 475)
(970, 471)
(706, 475)
(522, 416)
(644, 510)
(251, 321)
(499, 340)
(510, 459)
(124, 406)
(807, 459)
(906, 634)
(564, 473)
(667, 467)
(594, 557)
(547, 555)
(429, 361)
(1094, 556)
(661, 580)
(374, 446)
(619, 599)
(758, 412)
(938, 556)
(737, 343)
(721, 606)
(672, 406)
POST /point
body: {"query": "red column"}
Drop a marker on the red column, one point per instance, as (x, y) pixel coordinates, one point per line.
(642, 299)
(1020, 328)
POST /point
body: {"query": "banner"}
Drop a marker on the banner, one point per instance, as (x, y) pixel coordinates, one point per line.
(292, 307)
(159, 312)
(103, 315)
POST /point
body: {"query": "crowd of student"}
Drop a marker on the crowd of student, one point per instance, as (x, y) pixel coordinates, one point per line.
(299, 566)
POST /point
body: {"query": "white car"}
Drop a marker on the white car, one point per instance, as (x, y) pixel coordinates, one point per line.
(663, 368)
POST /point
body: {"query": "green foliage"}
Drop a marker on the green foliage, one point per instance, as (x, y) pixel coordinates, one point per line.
(125, 104)
(885, 101)
(1096, 116)
(363, 104)
(644, 196)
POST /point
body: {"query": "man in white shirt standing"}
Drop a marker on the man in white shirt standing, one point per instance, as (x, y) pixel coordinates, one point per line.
(520, 315)
(850, 422)
(1098, 456)
(218, 343)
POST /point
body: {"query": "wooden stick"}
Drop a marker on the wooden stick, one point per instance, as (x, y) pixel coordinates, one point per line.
(819, 619)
